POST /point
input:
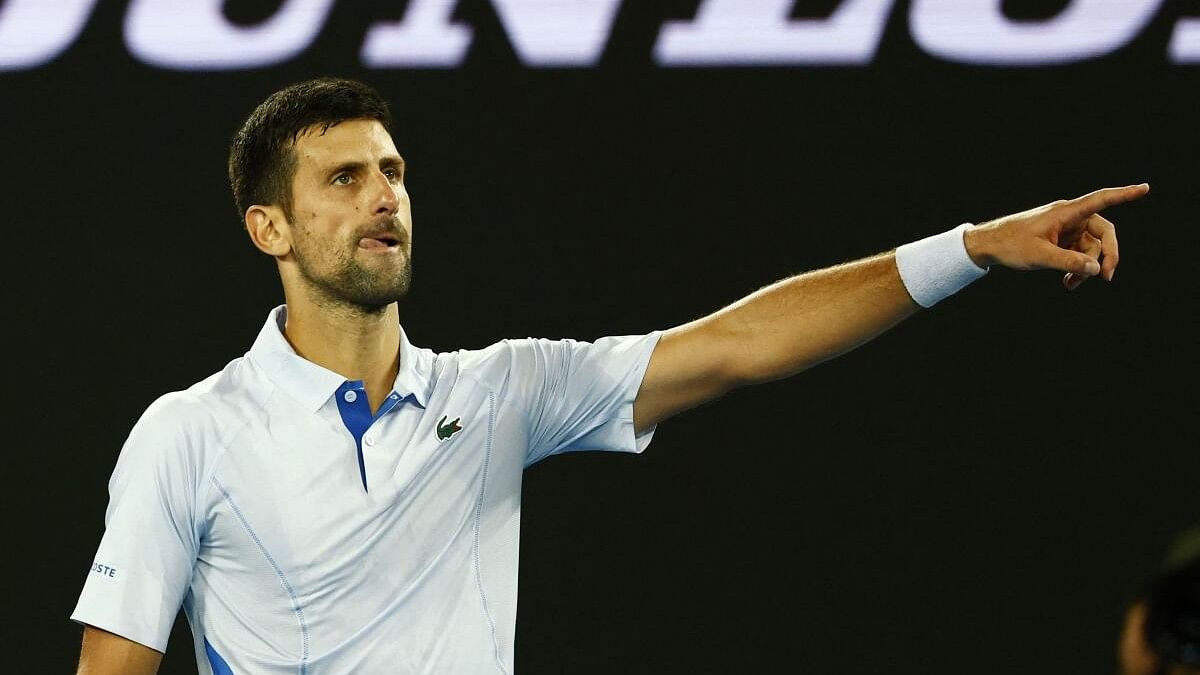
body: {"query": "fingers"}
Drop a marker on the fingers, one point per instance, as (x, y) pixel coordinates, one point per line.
(1077, 263)
(1104, 234)
(1098, 241)
(1069, 236)
(1099, 200)
(1092, 247)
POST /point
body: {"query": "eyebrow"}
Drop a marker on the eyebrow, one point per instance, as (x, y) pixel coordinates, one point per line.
(389, 161)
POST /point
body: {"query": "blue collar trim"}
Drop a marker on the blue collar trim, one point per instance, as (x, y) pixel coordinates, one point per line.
(356, 414)
(312, 385)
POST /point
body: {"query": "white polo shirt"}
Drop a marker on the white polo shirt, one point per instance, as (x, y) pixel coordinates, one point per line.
(302, 534)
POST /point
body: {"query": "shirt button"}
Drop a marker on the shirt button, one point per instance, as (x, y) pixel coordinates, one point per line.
(369, 440)
(395, 396)
(351, 396)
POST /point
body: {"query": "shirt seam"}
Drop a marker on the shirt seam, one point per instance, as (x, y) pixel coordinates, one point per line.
(207, 482)
(478, 528)
(287, 586)
(506, 399)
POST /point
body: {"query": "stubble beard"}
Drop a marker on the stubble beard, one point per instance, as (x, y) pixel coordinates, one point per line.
(350, 285)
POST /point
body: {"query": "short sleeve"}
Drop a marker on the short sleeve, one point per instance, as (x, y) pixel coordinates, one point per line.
(144, 564)
(580, 395)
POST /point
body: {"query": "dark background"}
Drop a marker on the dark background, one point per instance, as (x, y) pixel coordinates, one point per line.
(983, 489)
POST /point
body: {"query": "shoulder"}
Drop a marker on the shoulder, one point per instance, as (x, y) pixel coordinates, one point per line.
(210, 400)
(501, 353)
(497, 367)
(498, 362)
(197, 422)
(526, 355)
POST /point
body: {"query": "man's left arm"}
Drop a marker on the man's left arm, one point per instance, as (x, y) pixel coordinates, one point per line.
(799, 322)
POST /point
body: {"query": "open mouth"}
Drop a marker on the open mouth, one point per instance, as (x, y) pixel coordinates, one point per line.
(380, 242)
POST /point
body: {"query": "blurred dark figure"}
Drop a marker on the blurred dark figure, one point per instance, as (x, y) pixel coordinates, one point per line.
(1162, 628)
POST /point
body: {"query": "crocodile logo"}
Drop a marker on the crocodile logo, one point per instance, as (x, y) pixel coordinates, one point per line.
(447, 429)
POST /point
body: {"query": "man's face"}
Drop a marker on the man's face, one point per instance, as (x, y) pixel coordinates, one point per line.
(351, 223)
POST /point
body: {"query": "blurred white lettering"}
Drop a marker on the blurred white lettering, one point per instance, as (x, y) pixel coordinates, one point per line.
(424, 38)
(976, 31)
(543, 33)
(758, 32)
(1185, 41)
(558, 32)
(33, 32)
(195, 35)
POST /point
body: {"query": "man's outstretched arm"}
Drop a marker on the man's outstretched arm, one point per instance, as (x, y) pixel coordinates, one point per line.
(104, 653)
(799, 322)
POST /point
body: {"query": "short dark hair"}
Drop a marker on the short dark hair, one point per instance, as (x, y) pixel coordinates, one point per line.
(262, 158)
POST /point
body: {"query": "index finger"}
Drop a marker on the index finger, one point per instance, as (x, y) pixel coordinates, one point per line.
(1094, 202)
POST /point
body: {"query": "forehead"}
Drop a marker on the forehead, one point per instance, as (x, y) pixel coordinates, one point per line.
(359, 140)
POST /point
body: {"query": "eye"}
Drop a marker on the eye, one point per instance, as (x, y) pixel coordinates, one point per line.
(392, 174)
(342, 179)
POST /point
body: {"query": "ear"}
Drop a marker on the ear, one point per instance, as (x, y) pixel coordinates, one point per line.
(269, 230)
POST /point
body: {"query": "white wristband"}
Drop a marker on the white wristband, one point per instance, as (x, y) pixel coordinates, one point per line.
(934, 268)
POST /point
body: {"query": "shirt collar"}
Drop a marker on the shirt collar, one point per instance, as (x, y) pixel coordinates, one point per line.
(312, 385)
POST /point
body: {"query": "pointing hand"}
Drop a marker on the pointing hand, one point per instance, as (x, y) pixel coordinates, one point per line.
(1067, 235)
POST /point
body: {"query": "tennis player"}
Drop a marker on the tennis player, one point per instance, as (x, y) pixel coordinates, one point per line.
(339, 500)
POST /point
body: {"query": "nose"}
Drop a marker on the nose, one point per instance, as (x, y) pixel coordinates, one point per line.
(385, 199)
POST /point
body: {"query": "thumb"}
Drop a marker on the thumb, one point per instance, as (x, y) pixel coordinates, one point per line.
(1072, 261)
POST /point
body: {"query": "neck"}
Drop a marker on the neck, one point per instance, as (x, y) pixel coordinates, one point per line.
(353, 342)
